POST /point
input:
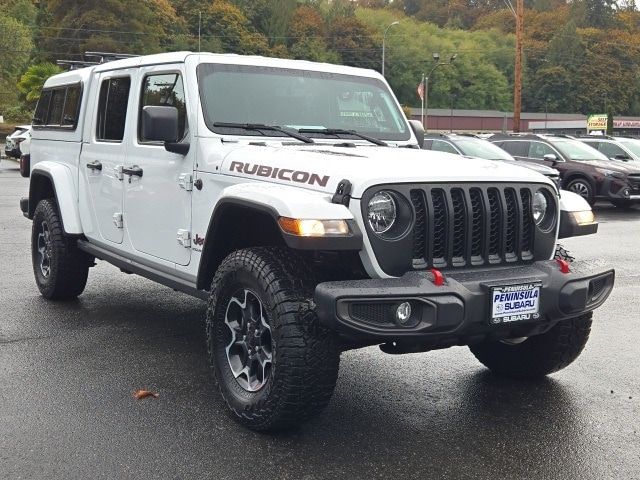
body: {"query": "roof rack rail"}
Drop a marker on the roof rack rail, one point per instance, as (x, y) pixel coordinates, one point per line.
(97, 58)
(75, 64)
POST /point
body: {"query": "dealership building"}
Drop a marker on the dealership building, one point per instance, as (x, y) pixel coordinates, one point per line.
(479, 121)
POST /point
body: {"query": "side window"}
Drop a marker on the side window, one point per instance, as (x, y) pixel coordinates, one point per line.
(54, 116)
(611, 150)
(539, 150)
(164, 90)
(112, 108)
(440, 146)
(42, 109)
(516, 148)
(71, 106)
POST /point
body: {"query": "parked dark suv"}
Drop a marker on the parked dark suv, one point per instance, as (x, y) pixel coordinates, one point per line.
(471, 146)
(583, 170)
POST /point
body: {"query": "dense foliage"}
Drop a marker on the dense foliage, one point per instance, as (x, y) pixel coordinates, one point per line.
(580, 55)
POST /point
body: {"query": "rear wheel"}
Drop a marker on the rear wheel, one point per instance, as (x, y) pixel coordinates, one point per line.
(274, 364)
(59, 267)
(582, 187)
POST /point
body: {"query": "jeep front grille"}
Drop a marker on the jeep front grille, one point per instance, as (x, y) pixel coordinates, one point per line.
(460, 226)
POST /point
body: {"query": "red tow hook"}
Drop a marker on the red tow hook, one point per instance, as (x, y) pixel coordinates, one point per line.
(438, 277)
(564, 265)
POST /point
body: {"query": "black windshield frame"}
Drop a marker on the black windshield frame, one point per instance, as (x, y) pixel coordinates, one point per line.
(209, 68)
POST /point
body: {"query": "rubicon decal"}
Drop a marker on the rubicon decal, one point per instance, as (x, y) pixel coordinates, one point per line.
(298, 176)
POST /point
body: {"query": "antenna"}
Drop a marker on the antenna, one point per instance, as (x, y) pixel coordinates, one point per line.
(199, 28)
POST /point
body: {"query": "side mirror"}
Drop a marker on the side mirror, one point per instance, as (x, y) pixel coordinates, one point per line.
(418, 131)
(622, 156)
(551, 157)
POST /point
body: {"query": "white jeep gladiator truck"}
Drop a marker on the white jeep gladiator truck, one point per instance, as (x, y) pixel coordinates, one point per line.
(294, 198)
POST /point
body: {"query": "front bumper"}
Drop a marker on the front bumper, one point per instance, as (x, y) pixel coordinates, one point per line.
(12, 152)
(458, 312)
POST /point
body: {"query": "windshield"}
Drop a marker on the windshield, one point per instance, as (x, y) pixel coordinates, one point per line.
(577, 150)
(475, 147)
(632, 145)
(298, 99)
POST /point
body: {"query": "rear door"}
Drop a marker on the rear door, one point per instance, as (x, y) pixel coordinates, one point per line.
(101, 184)
(158, 203)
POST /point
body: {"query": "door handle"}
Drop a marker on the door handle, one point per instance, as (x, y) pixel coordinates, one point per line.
(94, 165)
(132, 170)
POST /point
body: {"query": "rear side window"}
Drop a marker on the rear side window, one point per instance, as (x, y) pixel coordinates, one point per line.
(112, 108)
(164, 90)
(516, 148)
(58, 108)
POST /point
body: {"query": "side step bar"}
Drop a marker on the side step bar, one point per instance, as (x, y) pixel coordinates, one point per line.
(128, 265)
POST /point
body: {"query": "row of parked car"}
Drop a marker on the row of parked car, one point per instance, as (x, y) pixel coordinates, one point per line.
(594, 167)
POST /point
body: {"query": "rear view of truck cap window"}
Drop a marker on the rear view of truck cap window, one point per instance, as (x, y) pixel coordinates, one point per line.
(58, 107)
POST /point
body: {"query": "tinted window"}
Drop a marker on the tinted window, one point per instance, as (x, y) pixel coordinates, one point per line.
(164, 90)
(539, 150)
(112, 108)
(55, 107)
(58, 107)
(440, 146)
(71, 106)
(42, 109)
(516, 148)
(611, 149)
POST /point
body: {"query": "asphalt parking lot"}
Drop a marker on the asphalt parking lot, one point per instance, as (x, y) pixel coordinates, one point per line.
(68, 370)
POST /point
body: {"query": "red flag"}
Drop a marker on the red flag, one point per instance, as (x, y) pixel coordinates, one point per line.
(421, 90)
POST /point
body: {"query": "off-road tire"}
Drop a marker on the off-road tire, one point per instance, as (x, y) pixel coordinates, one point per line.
(68, 266)
(585, 187)
(305, 355)
(539, 355)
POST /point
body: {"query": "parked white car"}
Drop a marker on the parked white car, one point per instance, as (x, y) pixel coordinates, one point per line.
(17, 141)
(293, 197)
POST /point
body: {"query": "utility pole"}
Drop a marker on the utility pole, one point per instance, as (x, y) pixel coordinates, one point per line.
(517, 83)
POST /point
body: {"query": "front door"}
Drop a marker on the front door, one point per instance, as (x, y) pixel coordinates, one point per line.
(157, 200)
(101, 187)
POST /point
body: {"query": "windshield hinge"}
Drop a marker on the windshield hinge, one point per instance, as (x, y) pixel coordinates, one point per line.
(184, 238)
(118, 220)
(343, 193)
(186, 181)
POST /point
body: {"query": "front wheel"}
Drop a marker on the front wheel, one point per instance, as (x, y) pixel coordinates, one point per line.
(536, 356)
(59, 267)
(274, 364)
(582, 187)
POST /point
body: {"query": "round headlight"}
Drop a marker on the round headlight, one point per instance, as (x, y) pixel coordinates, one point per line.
(382, 212)
(539, 207)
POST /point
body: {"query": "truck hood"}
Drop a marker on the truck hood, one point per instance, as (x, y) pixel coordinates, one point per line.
(321, 167)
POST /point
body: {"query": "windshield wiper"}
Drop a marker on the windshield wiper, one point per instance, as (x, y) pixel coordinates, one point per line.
(258, 127)
(339, 131)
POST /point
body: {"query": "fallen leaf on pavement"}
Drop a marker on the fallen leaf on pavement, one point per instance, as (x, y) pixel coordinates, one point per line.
(140, 394)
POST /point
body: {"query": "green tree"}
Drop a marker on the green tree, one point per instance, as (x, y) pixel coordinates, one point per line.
(17, 46)
(32, 81)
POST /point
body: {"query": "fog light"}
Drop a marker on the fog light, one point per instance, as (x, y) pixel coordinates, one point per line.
(626, 192)
(403, 313)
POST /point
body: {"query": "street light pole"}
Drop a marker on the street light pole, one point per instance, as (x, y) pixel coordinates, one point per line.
(384, 38)
(425, 98)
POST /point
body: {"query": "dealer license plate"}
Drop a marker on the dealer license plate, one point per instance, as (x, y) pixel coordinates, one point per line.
(515, 303)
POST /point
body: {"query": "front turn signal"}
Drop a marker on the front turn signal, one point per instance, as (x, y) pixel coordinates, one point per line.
(314, 228)
(584, 217)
